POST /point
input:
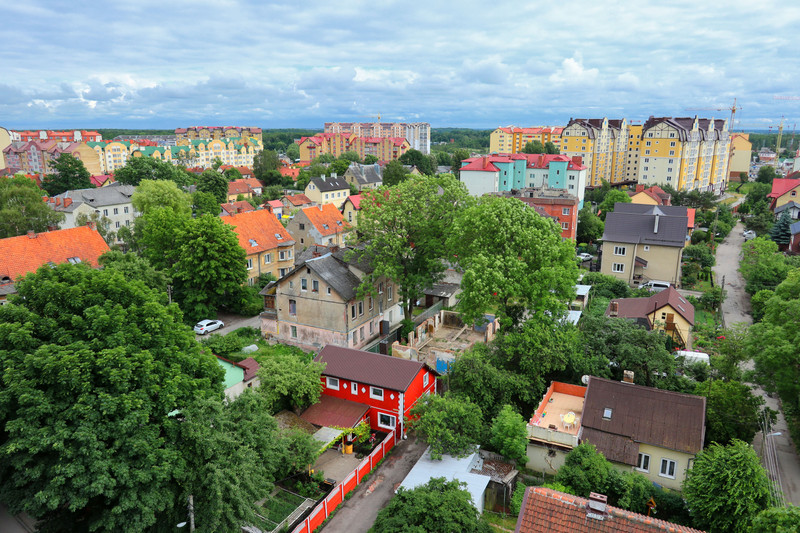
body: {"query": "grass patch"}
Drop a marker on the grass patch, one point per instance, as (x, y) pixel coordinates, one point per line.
(703, 317)
(280, 506)
(500, 522)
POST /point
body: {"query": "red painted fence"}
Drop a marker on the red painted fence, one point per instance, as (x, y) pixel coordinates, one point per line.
(326, 507)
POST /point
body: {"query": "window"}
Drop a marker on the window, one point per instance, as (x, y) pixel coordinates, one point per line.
(565, 211)
(302, 226)
(282, 256)
(353, 388)
(647, 152)
(353, 310)
(350, 216)
(380, 288)
(116, 210)
(370, 327)
(361, 333)
(332, 383)
(329, 291)
(425, 379)
(386, 421)
(361, 308)
(672, 152)
(314, 286)
(669, 169)
(647, 143)
(376, 393)
(303, 284)
(293, 307)
(672, 143)
(267, 259)
(607, 413)
(646, 248)
(389, 292)
(250, 264)
(619, 250)
(281, 272)
(617, 267)
(105, 212)
(667, 468)
(294, 332)
(643, 463)
(291, 284)
(125, 209)
(370, 303)
(565, 225)
(117, 224)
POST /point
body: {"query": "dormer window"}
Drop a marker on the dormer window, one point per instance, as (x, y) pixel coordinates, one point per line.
(338, 222)
(279, 236)
(74, 260)
(324, 226)
(253, 242)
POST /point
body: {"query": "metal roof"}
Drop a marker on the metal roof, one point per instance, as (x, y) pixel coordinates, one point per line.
(370, 368)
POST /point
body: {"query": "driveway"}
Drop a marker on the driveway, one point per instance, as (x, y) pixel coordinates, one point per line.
(234, 322)
(359, 512)
(783, 463)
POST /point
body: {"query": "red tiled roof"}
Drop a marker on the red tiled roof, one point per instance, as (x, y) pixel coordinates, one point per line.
(25, 254)
(241, 206)
(289, 171)
(355, 199)
(781, 186)
(275, 204)
(260, 227)
(238, 187)
(547, 510)
(298, 199)
(250, 366)
(370, 368)
(331, 411)
(99, 180)
(252, 182)
(690, 212)
(326, 215)
(481, 164)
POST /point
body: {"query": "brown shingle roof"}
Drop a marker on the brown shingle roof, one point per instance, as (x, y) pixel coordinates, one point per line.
(326, 219)
(641, 307)
(242, 206)
(298, 199)
(547, 510)
(257, 231)
(642, 414)
(330, 411)
(370, 368)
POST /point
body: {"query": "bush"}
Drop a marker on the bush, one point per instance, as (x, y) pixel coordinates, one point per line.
(407, 326)
(516, 499)
(699, 236)
(246, 302)
(224, 345)
(712, 298)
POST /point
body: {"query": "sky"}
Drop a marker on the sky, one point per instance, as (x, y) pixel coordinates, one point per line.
(176, 63)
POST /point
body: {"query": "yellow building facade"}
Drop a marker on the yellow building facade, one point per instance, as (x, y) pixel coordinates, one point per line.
(511, 140)
(741, 152)
(603, 145)
(335, 144)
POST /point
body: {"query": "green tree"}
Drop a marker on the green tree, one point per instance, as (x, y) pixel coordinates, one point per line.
(732, 411)
(514, 261)
(101, 223)
(605, 286)
(766, 174)
(135, 268)
(91, 365)
(585, 470)
(209, 267)
(443, 159)
(590, 226)
(777, 520)
(339, 167)
(289, 381)
(439, 506)
(509, 435)
(781, 232)
(450, 425)
(293, 151)
(550, 148)
(213, 182)
(370, 159)
(458, 156)
(735, 472)
(160, 194)
(232, 174)
(142, 168)
(69, 173)
(712, 298)
(324, 159)
(22, 208)
(417, 159)
(216, 163)
(266, 161)
(699, 253)
(758, 303)
(533, 147)
(403, 228)
(205, 203)
(762, 267)
(158, 232)
(394, 173)
(350, 156)
(613, 196)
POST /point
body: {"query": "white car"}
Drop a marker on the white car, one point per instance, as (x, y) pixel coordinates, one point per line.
(207, 326)
(584, 257)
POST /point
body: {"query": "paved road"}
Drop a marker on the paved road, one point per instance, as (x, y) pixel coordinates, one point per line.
(234, 322)
(736, 308)
(360, 511)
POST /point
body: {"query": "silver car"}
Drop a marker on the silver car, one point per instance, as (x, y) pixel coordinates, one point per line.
(207, 326)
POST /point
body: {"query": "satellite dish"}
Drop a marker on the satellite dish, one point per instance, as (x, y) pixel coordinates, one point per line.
(181, 524)
(585, 379)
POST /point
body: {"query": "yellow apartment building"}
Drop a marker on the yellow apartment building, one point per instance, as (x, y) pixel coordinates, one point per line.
(511, 139)
(603, 145)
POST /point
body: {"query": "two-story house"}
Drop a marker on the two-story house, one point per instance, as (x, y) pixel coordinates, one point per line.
(364, 176)
(269, 247)
(389, 386)
(665, 311)
(112, 202)
(321, 224)
(644, 242)
(318, 303)
(351, 208)
(328, 190)
(652, 431)
(785, 194)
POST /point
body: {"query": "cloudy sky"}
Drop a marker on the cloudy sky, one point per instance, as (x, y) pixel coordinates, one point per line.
(171, 63)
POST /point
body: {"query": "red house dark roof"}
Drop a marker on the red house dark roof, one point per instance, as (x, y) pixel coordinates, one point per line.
(547, 510)
(370, 368)
(331, 411)
(250, 366)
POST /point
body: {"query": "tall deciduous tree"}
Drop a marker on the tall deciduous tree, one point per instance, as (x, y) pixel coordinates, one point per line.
(69, 173)
(404, 228)
(91, 363)
(266, 161)
(458, 156)
(135, 268)
(514, 261)
(510, 435)
(394, 173)
(22, 208)
(732, 411)
(213, 182)
(550, 148)
(613, 196)
(450, 425)
(289, 381)
(726, 488)
(533, 147)
(293, 151)
(205, 203)
(777, 520)
(142, 168)
(439, 505)
(766, 174)
(417, 159)
(590, 226)
(160, 194)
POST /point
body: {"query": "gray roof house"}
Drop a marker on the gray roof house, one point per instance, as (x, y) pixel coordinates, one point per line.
(364, 176)
(644, 242)
(112, 202)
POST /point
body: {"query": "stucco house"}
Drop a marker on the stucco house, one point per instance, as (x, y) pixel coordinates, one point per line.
(269, 247)
(784, 191)
(112, 202)
(364, 176)
(350, 209)
(328, 190)
(321, 224)
(239, 376)
(665, 311)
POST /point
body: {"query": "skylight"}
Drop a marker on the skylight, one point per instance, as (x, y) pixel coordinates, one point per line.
(279, 236)
(607, 413)
(74, 260)
(253, 242)
(324, 226)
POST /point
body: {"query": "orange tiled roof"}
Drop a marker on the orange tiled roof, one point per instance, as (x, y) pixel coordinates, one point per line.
(251, 182)
(547, 510)
(298, 199)
(27, 253)
(258, 231)
(241, 206)
(238, 187)
(327, 219)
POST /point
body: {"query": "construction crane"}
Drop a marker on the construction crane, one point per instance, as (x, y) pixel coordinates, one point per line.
(778, 144)
(378, 116)
(733, 109)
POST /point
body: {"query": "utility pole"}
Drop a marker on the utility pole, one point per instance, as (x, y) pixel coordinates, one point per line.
(191, 513)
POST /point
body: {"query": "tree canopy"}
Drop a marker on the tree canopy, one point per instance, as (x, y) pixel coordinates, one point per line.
(590, 226)
(393, 173)
(289, 381)
(613, 196)
(533, 147)
(69, 173)
(766, 174)
(732, 411)
(777, 520)
(152, 194)
(509, 435)
(212, 182)
(142, 168)
(727, 487)
(416, 158)
(91, 364)
(22, 208)
(266, 161)
(450, 425)
(439, 506)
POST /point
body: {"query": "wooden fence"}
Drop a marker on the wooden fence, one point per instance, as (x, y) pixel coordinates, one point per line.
(326, 507)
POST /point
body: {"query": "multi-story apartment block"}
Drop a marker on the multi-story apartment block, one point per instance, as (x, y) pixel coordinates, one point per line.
(5, 142)
(216, 132)
(35, 157)
(76, 136)
(498, 173)
(741, 150)
(602, 144)
(632, 152)
(685, 153)
(556, 204)
(511, 140)
(335, 144)
(418, 134)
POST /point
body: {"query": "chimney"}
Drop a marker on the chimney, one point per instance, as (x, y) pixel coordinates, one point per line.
(485, 161)
(31, 234)
(333, 175)
(639, 187)
(320, 206)
(334, 249)
(91, 225)
(315, 252)
(627, 376)
(597, 506)
(614, 308)
(52, 227)
(655, 227)
(67, 202)
(58, 201)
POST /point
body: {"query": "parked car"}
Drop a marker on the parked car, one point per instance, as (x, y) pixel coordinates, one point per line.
(656, 286)
(584, 257)
(207, 326)
(749, 234)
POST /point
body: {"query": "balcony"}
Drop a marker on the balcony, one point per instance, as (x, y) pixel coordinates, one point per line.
(561, 404)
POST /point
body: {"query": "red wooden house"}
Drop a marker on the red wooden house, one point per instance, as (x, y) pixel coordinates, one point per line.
(388, 386)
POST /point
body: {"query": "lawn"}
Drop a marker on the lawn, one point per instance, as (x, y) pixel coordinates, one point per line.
(704, 317)
(500, 522)
(280, 505)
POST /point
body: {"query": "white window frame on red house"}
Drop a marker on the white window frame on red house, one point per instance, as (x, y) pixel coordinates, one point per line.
(353, 388)
(375, 396)
(426, 379)
(391, 425)
(332, 383)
